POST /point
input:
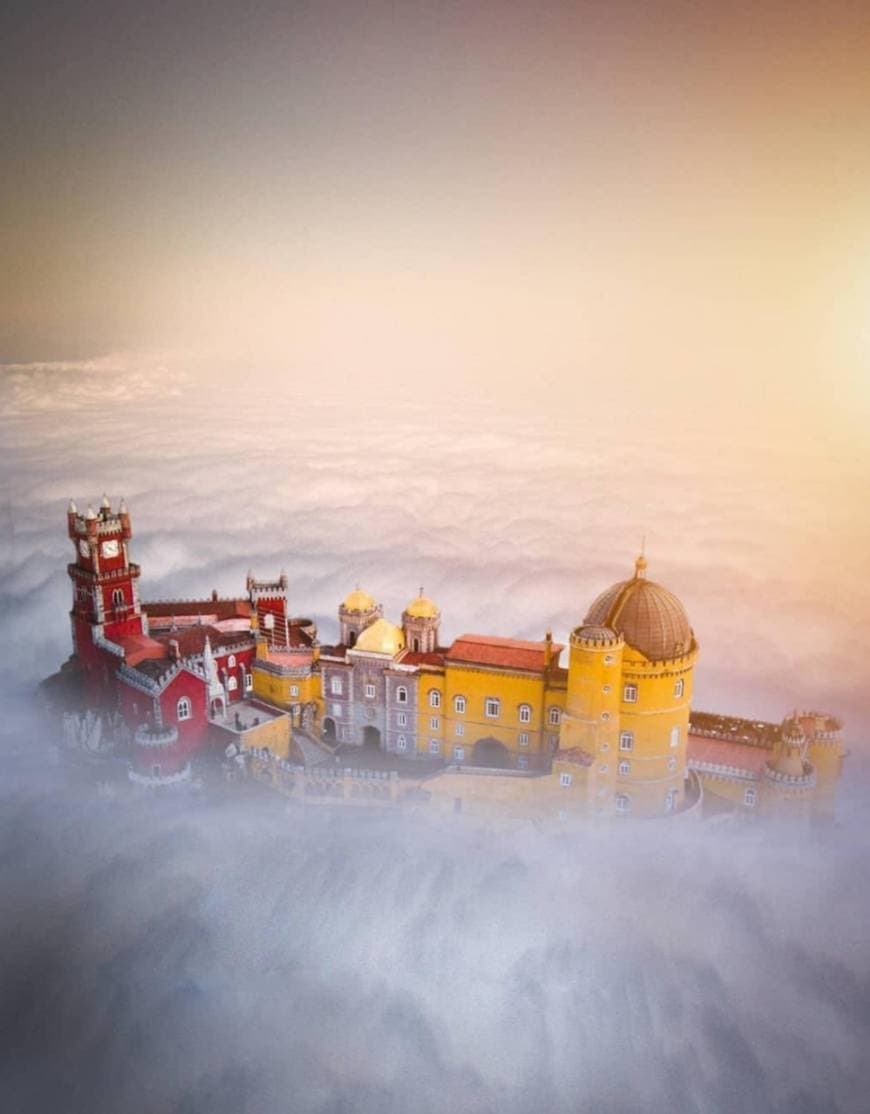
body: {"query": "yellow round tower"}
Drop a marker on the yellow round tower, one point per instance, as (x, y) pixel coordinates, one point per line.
(649, 695)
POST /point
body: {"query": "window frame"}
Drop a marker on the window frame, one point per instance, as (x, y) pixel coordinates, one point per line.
(524, 713)
(495, 702)
(629, 693)
(626, 741)
(188, 709)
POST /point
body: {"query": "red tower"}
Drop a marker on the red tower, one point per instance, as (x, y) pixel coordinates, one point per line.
(105, 606)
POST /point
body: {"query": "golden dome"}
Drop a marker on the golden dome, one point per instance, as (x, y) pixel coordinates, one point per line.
(358, 600)
(648, 616)
(381, 638)
(422, 608)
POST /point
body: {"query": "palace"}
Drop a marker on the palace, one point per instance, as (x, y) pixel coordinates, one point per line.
(484, 724)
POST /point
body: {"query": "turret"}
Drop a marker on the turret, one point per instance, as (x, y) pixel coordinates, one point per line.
(357, 611)
(421, 620)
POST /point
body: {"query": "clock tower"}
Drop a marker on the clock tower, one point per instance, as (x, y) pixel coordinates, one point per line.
(105, 608)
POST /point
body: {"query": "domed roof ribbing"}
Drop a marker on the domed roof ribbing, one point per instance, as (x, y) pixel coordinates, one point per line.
(648, 616)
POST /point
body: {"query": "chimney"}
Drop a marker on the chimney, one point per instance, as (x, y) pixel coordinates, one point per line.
(174, 649)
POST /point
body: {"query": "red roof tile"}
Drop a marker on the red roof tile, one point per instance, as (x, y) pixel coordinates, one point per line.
(501, 653)
(215, 610)
(139, 647)
(717, 752)
(413, 657)
(191, 640)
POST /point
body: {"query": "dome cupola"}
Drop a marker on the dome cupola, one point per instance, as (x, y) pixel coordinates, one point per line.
(420, 622)
(649, 617)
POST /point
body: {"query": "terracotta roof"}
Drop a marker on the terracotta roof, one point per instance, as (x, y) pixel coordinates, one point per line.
(139, 647)
(215, 610)
(418, 658)
(191, 640)
(717, 752)
(501, 653)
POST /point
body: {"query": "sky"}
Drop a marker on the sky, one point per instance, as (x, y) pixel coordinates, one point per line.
(475, 297)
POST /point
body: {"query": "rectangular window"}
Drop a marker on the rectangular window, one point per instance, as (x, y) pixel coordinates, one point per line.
(565, 780)
(626, 741)
(294, 690)
(555, 717)
(675, 736)
(679, 688)
(401, 743)
(434, 698)
(402, 719)
(624, 768)
(459, 705)
(336, 710)
(249, 682)
(629, 694)
(522, 762)
(434, 723)
(525, 713)
(370, 692)
(434, 746)
(401, 695)
(335, 685)
(523, 738)
(492, 707)
(459, 754)
(459, 729)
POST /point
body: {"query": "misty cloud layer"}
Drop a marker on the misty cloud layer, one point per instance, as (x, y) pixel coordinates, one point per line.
(232, 956)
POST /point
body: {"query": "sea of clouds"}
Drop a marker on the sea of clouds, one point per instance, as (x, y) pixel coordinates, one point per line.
(233, 956)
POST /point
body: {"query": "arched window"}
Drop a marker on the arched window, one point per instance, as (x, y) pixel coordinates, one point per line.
(434, 698)
(249, 682)
(749, 796)
(525, 711)
(183, 709)
(554, 717)
(492, 707)
(117, 597)
(335, 685)
(401, 743)
(623, 803)
(459, 705)
(679, 688)
(232, 684)
(401, 695)
(231, 661)
(459, 754)
(624, 768)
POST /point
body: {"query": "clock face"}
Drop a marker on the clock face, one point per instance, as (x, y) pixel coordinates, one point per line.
(110, 548)
(84, 548)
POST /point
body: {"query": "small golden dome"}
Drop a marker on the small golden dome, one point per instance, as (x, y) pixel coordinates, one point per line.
(648, 616)
(358, 600)
(422, 608)
(382, 637)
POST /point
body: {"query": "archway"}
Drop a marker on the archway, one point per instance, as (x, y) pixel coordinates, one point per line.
(329, 729)
(371, 738)
(492, 754)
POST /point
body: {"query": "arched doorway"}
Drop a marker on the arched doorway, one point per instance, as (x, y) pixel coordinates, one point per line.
(329, 729)
(492, 754)
(371, 738)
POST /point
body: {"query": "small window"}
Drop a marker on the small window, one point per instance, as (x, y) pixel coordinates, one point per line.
(335, 685)
(459, 729)
(231, 661)
(117, 598)
(459, 705)
(626, 740)
(370, 691)
(401, 695)
(605, 715)
(749, 796)
(608, 659)
(565, 780)
(492, 707)
(459, 754)
(294, 690)
(623, 803)
(522, 762)
(629, 694)
(675, 735)
(249, 682)
(672, 763)
(402, 719)
(624, 768)
(434, 698)
(232, 684)
(523, 738)
(434, 746)
(679, 688)
(336, 711)
(525, 713)
(183, 708)
(434, 723)
(670, 800)
(401, 743)
(554, 717)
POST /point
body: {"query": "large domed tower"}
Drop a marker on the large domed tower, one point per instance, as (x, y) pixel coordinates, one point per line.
(630, 670)
(420, 622)
(356, 612)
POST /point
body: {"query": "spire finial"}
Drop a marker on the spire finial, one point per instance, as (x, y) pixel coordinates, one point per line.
(640, 563)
